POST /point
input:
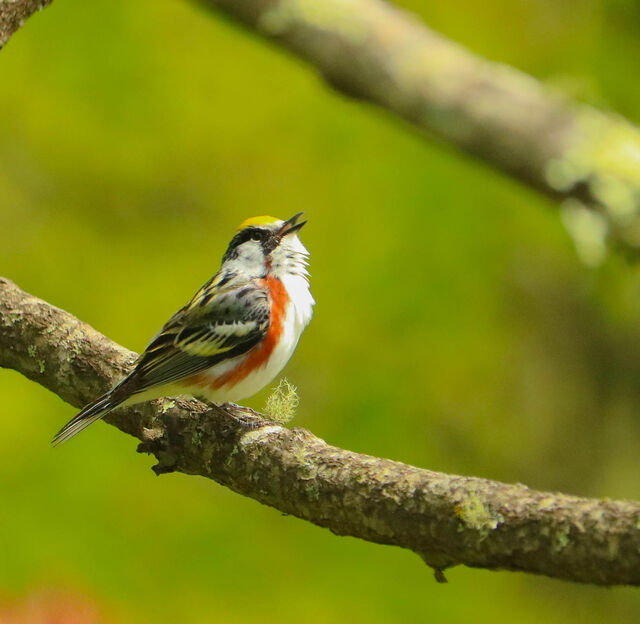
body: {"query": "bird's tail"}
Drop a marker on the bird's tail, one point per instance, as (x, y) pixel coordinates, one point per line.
(89, 414)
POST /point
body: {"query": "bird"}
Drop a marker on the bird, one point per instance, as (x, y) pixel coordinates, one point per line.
(236, 333)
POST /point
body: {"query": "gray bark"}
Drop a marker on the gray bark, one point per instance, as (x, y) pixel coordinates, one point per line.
(13, 14)
(446, 519)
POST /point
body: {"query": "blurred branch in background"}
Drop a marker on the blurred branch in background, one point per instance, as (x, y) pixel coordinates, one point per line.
(368, 49)
(446, 519)
(572, 152)
(13, 14)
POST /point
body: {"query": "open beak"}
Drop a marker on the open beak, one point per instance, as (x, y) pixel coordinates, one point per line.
(291, 226)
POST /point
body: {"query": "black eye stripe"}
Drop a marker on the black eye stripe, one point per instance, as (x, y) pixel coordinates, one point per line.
(250, 233)
(266, 238)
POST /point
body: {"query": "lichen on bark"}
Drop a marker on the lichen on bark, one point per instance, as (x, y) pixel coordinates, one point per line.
(446, 519)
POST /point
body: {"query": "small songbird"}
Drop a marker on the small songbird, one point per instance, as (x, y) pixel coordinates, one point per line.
(234, 336)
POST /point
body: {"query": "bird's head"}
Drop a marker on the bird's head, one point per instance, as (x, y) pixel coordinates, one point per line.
(267, 242)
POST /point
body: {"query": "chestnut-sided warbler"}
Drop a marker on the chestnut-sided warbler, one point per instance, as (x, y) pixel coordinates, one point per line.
(234, 336)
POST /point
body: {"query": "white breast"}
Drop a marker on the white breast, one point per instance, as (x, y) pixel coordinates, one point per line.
(297, 316)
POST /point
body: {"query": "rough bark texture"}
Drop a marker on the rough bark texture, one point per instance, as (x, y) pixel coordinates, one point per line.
(446, 519)
(371, 50)
(13, 14)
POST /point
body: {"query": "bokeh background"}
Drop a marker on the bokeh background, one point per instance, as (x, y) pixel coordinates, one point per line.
(455, 328)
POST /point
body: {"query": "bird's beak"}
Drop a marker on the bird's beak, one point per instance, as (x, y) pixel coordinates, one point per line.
(291, 225)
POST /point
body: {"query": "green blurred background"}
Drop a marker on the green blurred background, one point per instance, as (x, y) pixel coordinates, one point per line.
(455, 327)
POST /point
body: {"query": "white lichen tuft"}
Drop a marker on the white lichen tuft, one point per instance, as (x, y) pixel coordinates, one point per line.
(283, 401)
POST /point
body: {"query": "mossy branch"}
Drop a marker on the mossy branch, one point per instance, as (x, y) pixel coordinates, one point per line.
(446, 519)
(371, 50)
(14, 13)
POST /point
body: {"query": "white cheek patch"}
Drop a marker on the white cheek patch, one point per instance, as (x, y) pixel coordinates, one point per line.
(249, 259)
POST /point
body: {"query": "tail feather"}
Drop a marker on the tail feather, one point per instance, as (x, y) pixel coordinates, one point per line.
(89, 414)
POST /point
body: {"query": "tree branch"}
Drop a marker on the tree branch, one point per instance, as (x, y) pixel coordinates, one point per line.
(14, 13)
(446, 519)
(371, 50)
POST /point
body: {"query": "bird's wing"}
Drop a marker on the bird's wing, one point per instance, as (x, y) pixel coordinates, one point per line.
(220, 322)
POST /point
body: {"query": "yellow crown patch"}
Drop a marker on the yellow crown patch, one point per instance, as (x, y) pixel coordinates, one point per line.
(262, 220)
